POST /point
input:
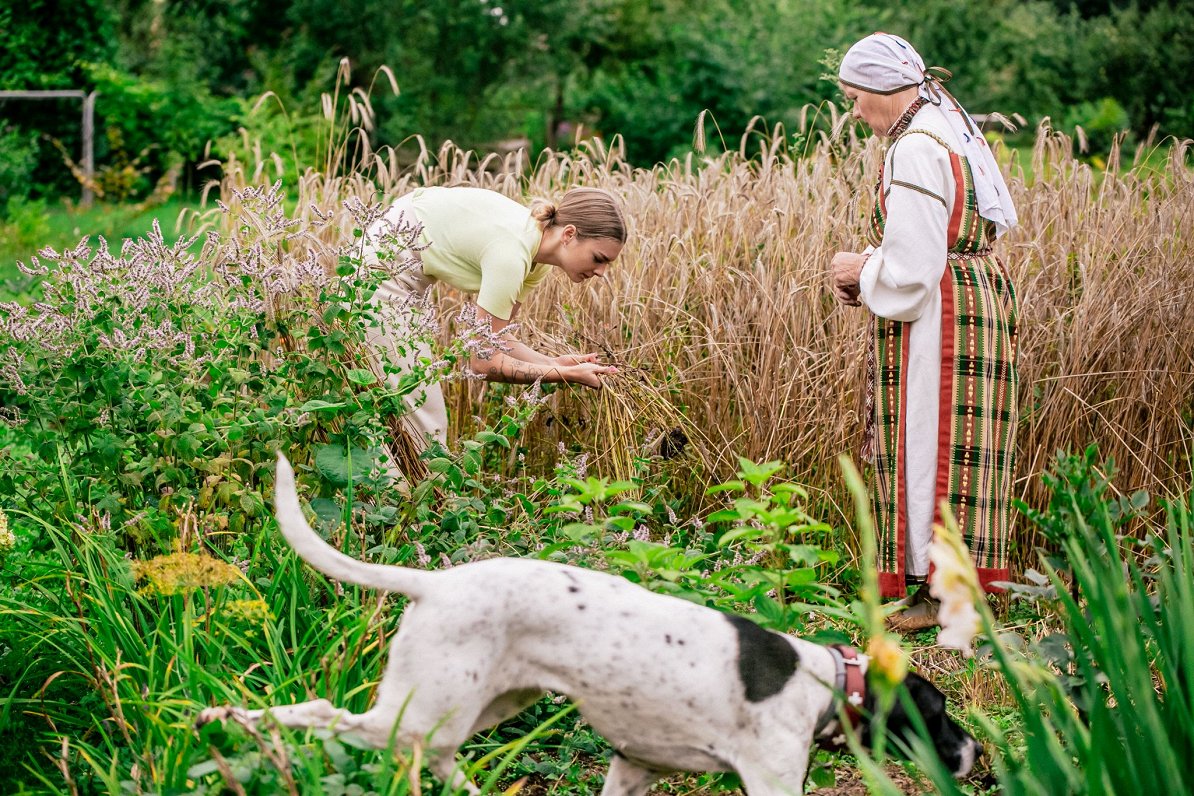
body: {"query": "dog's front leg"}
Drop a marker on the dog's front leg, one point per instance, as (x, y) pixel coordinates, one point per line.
(627, 779)
(767, 780)
(316, 714)
(443, 764)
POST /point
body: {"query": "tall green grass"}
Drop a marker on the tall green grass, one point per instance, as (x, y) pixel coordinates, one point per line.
(1118, 715)
(116, 673)
(1103, 705)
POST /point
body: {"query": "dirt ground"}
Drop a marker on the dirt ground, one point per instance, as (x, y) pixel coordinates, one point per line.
(849, 783)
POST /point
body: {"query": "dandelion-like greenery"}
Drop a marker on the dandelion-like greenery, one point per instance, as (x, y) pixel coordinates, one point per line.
(179, 573)
(7, 539)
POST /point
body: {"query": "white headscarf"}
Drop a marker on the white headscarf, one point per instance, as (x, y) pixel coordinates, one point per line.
(884, 64)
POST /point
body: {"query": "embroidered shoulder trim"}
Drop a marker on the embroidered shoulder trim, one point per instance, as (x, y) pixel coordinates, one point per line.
(918, 188)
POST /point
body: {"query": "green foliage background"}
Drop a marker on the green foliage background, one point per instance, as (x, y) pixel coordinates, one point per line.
(174, 75)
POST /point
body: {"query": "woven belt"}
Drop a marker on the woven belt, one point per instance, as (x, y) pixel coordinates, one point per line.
(970, 255)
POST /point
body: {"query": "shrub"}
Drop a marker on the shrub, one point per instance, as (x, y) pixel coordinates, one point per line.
(1097, 123)
(18, 161)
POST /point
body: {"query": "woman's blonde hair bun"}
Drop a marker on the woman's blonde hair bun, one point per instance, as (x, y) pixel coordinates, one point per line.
(594, 212)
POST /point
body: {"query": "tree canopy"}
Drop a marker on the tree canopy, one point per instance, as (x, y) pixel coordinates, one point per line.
(176, 74)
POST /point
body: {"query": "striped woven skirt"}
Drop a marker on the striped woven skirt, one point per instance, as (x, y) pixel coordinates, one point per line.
(976, 425)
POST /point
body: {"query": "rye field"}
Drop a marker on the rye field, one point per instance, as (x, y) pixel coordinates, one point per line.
(149, 388)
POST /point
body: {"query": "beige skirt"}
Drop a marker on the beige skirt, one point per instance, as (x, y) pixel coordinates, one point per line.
(401, 304)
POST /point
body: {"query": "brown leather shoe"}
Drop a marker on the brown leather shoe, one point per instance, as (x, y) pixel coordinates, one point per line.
(920, 614)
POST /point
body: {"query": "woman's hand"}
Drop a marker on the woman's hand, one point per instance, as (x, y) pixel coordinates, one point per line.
(587, 373)
(845, 270)
(568, 360)
(518, 364)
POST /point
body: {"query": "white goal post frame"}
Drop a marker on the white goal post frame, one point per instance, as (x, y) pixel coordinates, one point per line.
(88, 128)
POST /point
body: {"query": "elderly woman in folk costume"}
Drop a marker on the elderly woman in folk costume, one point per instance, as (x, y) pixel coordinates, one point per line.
(941, 399)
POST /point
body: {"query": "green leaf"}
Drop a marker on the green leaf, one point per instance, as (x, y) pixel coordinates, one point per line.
(741, 532)
(186, 445)
(327, 511)
(620, 523)
(316, 405)
(362, 377)
(440, 465)
(770, 610)
(489, 437)
(341, 467)
(252, 504)
(578, 531)
(757, 474)
(201, 770)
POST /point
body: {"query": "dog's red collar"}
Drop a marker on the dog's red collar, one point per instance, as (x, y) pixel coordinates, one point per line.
(854, 685)
(849, 683)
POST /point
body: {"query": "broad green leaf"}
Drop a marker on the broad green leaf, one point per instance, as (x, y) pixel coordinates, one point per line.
(341, 467)
(362, 377)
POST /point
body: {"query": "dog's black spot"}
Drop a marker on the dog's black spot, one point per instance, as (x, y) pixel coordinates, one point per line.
(574, 589)
(766, 660)
(580, 607)
(667, 638)
(680, 642)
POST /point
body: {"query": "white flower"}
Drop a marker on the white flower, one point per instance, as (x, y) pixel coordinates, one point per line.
(955, 583)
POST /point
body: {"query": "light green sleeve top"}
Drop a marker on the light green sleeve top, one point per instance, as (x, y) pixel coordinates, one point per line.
(481, 242)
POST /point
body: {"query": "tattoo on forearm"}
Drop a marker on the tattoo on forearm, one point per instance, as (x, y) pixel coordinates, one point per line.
(506, 368)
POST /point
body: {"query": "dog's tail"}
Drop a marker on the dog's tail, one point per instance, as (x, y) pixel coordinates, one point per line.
(327, 559)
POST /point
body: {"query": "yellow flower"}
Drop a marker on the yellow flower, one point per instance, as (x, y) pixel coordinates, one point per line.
(955, 583)
(7, 540)
(183, 572)
(887, 659)
(251, 612)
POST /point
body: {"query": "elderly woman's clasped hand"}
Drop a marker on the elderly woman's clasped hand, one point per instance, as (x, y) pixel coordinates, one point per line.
(845, 269)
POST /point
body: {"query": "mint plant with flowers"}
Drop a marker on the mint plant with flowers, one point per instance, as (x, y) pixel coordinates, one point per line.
(762, 554)
(157, 378)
